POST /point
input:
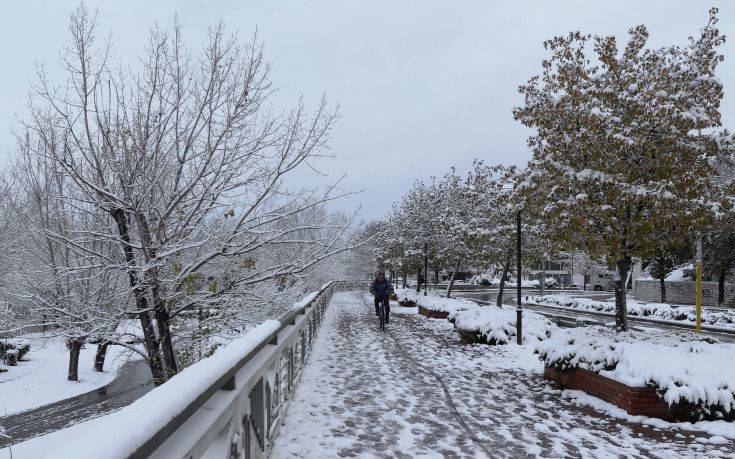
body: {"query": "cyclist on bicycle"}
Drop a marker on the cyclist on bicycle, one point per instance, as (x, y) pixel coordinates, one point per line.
(381, 289)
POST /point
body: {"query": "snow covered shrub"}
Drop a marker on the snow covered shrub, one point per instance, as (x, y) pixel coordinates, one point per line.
(11, 357)
(19, 346)
(692, 372)
(406, 297)
(658, 311)
(441, 304)
(494, 325)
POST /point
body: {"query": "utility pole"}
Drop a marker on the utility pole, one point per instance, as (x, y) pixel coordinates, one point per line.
(698, 267)
(519, 310)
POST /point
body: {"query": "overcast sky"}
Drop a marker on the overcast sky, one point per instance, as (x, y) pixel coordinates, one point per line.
(422, 85)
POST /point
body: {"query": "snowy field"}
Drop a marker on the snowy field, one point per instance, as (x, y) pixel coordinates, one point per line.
(40, 378)
(416, 391)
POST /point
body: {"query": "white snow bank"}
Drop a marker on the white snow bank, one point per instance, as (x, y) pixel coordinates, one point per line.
(661, 311)
(435, 302)
(122, 432)
(680, 365)
(498, 326)
(45, 446)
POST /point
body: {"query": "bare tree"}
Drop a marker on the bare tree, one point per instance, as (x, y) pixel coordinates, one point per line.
(187, 161)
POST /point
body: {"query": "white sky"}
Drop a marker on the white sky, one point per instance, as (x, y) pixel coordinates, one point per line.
(422, 85)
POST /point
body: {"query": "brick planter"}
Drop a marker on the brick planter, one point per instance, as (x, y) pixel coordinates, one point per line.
(431, 314)
(406, 303)
(637, 401)
(471, 337)
(474, 337)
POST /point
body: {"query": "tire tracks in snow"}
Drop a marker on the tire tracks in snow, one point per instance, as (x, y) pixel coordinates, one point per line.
(447, 394)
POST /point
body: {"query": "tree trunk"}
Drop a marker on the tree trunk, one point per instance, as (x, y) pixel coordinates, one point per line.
(159, 305)
(621, 306)
(418, 281)
(586, 279)
(99, 356)
(426, 269)
(662, 285)
(436, 276)
(141, 302)
(451, 281)
(622, 263)
(404, 275)
(542, 287)
(501, 287)
(721, 288)
(75, 346)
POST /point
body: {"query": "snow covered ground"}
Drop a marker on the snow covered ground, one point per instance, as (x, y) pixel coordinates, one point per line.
(40, 378)
(47, 445)
(416, 391)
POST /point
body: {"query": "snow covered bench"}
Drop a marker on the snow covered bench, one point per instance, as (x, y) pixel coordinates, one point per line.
(494, 325)
(677, 376)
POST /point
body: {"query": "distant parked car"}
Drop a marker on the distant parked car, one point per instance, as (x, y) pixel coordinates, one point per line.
(601, 282)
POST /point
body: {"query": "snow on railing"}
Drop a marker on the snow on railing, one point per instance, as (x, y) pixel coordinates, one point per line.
(229, 405)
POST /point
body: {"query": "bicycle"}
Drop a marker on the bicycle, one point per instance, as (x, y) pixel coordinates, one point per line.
(381, 311)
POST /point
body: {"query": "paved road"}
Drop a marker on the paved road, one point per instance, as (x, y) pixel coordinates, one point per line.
(418, 391)
(132, 383)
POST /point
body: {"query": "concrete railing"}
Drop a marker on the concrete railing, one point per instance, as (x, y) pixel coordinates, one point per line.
(230, 405)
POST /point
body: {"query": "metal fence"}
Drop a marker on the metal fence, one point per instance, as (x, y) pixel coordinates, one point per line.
(239, 416)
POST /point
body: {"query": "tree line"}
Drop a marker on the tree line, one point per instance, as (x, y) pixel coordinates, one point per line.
(629, 159)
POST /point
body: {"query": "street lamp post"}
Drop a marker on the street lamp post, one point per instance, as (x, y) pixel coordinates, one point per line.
(519, 310)
(698, 284)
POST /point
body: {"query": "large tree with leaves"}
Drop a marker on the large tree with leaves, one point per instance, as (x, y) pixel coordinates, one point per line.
(624, 136)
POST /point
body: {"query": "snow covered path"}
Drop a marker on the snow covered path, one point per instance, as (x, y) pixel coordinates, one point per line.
(417, 391)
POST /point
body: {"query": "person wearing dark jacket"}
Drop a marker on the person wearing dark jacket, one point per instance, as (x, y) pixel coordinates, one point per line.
(381, 289)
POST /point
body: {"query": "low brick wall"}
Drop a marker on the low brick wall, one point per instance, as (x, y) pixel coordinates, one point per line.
(471, 337)
(431, 314)
(475, 337)
(637, 401)
(406, 303)
(682, 292)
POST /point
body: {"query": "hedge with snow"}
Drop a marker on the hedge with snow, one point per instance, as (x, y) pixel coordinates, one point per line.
(659, 311)
(498, 325)
(433, 302)
(685, 369)
(491, 324)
